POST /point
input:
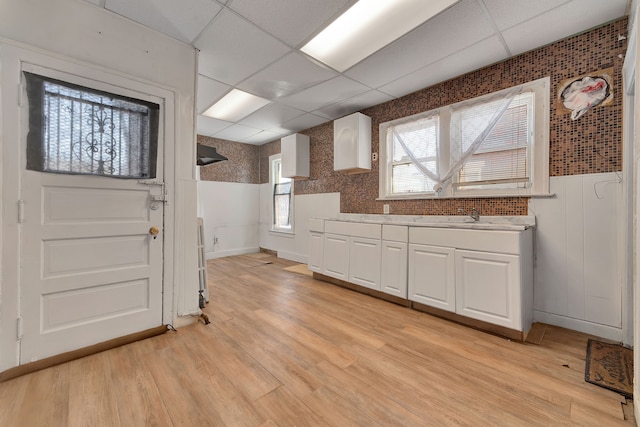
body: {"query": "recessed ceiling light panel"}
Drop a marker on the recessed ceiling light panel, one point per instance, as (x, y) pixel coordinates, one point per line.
(235, 106)
(367, 27)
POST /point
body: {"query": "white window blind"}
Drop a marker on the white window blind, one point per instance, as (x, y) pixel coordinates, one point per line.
(503, 157)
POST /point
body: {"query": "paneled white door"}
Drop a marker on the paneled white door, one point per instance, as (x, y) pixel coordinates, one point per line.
(91, 269)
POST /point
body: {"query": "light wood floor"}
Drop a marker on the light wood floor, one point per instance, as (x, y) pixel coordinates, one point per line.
(286, 350)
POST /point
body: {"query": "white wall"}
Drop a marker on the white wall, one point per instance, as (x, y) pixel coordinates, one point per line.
(231, 213)
(78, 32)
(577, 276)
(295, 246)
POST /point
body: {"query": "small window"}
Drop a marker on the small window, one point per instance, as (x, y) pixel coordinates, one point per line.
(282, 197)
(496, 144)
(78, 130)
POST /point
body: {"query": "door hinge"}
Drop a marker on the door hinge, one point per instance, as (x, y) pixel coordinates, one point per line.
(20, 211)
(19, 330)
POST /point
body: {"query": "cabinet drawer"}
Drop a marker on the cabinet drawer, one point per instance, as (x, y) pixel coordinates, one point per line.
(395, 233)
(507, 242)
(355, 229)
(316, 225)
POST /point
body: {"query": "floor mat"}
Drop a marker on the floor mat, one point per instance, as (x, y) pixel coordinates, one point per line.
(610, 366)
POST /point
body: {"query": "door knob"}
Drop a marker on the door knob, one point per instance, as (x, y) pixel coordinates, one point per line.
(154, 231)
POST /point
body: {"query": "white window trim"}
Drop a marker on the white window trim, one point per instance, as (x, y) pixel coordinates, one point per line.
(539, 156)
(285, 232)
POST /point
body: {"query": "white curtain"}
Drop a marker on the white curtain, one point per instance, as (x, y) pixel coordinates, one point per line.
(464, 141)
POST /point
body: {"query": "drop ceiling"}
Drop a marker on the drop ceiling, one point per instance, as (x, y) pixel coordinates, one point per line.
(253, 45)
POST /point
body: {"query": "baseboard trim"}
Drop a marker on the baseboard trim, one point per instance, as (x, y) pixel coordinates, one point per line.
(28, 368)
(361, 289)
(473, 323)
(222, 254)
(463, 320)
(595, 329)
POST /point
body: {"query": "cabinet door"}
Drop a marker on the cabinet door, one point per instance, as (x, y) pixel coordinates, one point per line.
(316, 251)
(393, 278)
(364, 265)
(432, 276)
(336, 256)
(488, 287)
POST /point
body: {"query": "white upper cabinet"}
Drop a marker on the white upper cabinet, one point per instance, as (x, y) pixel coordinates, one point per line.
(295, 156)
(352, 143)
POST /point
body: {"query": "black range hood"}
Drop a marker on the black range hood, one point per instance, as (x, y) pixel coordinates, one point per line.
(207, 155)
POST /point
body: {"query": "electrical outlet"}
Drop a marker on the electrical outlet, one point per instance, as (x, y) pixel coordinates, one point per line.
(374, 157)
(385, 209)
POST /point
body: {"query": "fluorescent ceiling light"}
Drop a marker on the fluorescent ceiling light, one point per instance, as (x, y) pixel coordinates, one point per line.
(235, 106)
(368, 26)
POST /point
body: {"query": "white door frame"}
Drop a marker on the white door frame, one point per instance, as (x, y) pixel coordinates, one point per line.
(12, 54)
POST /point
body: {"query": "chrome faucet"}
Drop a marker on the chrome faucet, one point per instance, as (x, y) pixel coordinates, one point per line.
(474, 213)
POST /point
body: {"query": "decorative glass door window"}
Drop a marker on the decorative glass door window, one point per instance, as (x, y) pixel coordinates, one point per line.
(79, 130)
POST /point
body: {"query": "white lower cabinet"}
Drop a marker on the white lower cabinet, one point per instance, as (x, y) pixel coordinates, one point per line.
(488, 287)
(393, 273)
(485, 275)
(364, 262)
(336, 256)
(481, 274)
(316, 251)
(432, 276)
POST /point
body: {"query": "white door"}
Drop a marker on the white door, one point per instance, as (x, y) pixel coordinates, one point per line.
(488, 287)
(364, 262)
(432, 276)
(393, 273)
(336, 256)
(91, 261)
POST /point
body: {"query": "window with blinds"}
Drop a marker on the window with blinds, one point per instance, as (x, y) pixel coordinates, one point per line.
(79, 130)
(502, 160)
(496, 144)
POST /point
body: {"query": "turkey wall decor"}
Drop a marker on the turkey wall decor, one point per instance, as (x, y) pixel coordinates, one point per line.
(577, 95)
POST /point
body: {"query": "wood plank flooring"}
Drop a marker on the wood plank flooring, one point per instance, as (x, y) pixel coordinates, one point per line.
(284, 349)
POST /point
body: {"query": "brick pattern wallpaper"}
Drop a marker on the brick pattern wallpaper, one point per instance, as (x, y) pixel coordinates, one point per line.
(591, 144)
(243, 164)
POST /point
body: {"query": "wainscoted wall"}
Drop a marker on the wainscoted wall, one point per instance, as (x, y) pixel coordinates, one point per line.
(295, 246)
(577, 279)
(231, 214)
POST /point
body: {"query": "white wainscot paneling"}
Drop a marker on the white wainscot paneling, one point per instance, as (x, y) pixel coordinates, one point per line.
(577, 283)
(295, 246)
(230, 214)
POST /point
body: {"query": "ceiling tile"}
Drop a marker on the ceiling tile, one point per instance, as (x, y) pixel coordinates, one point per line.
(290, 74)
(351, 105)
(329, 92)
(507, 13)
(477, 56)
(263, 137)
(208, 127)
(290, 21)
(562, 22)
(180, 20)
(232, 49)
(303, 122)
(454, 29)
(209, 91)
(237, 132)
(96, 2)
(271, 116)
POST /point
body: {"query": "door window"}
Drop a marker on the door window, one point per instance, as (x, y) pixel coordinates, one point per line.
(79, 130)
